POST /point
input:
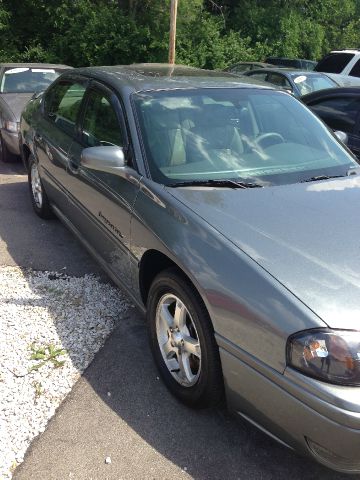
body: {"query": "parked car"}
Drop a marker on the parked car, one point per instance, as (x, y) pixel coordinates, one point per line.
(18, 82)
(229, 213)
(241, 67)
(346, 62)
(299, 63)
(295, 81)
(344, 80)
(340, 110)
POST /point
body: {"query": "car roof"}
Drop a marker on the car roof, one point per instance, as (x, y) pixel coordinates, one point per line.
(270, 65)
(347, 50)
(288, 58)
(34, 65)
(160, 76)
(294, 71)
(285, 70)
(331, 92)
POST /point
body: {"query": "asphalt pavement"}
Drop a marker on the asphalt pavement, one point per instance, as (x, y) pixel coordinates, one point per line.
(119, 410)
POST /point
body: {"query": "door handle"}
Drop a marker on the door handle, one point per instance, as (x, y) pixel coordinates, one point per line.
(73, 166)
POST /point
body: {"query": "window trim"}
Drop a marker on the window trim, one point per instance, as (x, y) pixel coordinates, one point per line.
(114, 101)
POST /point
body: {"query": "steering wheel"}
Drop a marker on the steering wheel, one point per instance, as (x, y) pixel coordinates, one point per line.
(270, 138)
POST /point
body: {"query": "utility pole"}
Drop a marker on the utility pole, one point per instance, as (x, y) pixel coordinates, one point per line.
(172, 40)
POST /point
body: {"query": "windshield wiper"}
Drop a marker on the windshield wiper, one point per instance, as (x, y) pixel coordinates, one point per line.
(216, 183)
(321, 177)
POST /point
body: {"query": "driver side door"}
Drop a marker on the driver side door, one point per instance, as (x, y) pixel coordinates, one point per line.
(102, 202)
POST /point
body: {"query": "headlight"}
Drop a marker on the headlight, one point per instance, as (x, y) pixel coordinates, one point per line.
(12, 126)
(332, 356)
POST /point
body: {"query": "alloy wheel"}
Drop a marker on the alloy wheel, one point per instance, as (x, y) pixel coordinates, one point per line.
(36, 186)
(178, 340)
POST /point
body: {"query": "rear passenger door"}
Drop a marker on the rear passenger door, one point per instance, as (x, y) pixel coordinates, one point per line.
(55, 133)
(101, 203)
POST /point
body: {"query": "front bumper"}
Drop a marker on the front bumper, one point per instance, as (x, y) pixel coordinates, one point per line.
(11, 140)
(301, 413)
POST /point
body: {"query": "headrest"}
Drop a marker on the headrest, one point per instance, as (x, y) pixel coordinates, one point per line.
(215, 115)
(162, 117)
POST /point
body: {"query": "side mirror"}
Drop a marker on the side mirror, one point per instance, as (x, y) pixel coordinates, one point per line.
(342, 136)
(108, 159)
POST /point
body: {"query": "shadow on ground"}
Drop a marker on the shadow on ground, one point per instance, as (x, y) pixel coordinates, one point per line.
(119, 407)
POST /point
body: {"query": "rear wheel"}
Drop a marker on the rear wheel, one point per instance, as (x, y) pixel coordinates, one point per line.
(39, 198)
(182, 341)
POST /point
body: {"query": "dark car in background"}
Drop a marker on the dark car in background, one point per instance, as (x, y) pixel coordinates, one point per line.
(340, 110)
(299, 63)
(295, 81)
(241, 67)
(199, 193)
(18, 82)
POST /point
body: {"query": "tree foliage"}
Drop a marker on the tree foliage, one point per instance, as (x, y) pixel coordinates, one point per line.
(211, 33)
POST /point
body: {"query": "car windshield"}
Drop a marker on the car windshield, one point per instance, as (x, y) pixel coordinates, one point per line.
(312, 83)
(260, 136)
(27, 80)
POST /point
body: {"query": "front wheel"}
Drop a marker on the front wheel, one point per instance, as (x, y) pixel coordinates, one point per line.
(182, 341)
(39, 198)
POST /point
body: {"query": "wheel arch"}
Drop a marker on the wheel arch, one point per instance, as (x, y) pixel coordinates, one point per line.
(25, 154)
(151, 264)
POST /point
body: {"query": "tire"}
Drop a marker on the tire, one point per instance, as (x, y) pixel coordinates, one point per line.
(182, 341)
(38, 195)
(6, 155)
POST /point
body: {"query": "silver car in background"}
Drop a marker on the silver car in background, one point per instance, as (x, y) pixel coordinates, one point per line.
(18, 83)
(230, 214)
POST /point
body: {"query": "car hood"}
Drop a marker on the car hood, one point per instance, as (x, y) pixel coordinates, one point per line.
(16, 102)
(306, 235)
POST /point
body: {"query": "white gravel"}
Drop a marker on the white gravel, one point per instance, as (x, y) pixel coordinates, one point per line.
(44, 313)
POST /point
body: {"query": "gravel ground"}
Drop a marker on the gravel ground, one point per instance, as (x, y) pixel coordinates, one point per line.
(51, 326)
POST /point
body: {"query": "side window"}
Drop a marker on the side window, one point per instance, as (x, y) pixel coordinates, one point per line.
(334, 62)
(339, 113)
(100, 124)
(259, 76)
(355, 71)
(279, 80)
(62, 104)
(239, 68)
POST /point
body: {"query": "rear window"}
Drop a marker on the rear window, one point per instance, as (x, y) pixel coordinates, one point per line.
(312, 82)
(284, 62)
(241, 67)
(27, 80)
(334, 62)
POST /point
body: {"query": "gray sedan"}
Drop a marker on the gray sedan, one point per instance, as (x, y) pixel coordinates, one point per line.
(229, 213)
(18, 82)
(295, 81)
